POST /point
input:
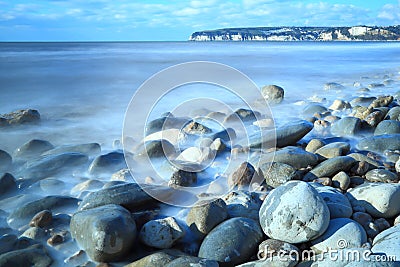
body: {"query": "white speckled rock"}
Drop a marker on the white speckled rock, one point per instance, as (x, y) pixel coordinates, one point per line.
(342, 233)
(338, 204)
(294, 212)
(388, 242)
(379, 199)
(161, 233)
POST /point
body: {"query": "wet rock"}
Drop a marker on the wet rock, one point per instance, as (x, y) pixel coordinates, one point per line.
(387, 242)
(24, 213)
(381, 175)
(265, 123)
(197, 155)
(293, 156)
(22, 116)
(330, 167)
(163, 123)
(194, 127)
(156, 259)
(157, 149)
(87, 185)
(393, 114)
(347, 126)
(122, 175)
(276, 173)
(311, 109)
(226, 135)
(243, 176)
(333, 86)
(34, 233)
(340, 105)
(387, 127)
(341, 180)
(243, 204)
(55, 239)
(182, 178)
(381, 200)
(374, 118)
(314, 145)
(244, 115)
(361, 157)
(362, 100)
(7, 185)
(52, 164)
(380, 143)
(273, 93)
(33, 148)
(5, 160)
(334, 149)
(381, 101)
(397, 166)
(188, 261)
(90, 149)
(34, 255)
(338, 204)
(106, 233)
(236, 238)
(341, 233)
(294, 213)
(107, 163)
(161, 233)
(131, 196)
(360, 168)
(42, 219)
(203, 217)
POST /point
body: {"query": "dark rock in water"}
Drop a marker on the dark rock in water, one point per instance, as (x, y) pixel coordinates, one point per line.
(108, 163)
(7, 185)
(243, 204)
(311, 109)
(5, 160)
(33, 148)
(381, 175)
(236, 239)
(194, 127)
(393, 114)
(387, 127)
(106, 233)
(35, 233)
(188, 261)
(273, 93)
(129, 195)
(157, 149)
(380, 143)
(334, 149)
(286, 135)
(90, 149)
(203, 217)
(34, 255)
(182, 178)
(52, 164)
(346, 126)
(276, 173)
(293, 156)
(164, 123)
(244, 115)
(243, 176)
(333, 86)
(23, 214)
(361, 157)
(156, 259)
(42, 219)
(226, 135)
(21, 117)
(294, 213)
(330, 167)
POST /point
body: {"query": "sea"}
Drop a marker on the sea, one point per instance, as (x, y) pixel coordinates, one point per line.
(82, 90)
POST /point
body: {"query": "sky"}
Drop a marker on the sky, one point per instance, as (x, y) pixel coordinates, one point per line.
(173, 20)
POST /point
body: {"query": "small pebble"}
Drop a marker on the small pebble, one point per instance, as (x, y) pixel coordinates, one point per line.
(42, 219)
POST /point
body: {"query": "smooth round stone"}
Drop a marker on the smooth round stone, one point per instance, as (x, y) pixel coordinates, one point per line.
(393, 114)
(374, 118)
(35, 233)
(338, 204)
(294, 212)
(161, 233)
(387, 242)
(35, 255)
(341, 180)
(380, 143)
(243, 204)
(362, 100)
(381, 101)
(123, 175)
(314, 145)
(196, 155)
(232, 241)
(90, 149)
(347, 126)
(195, 127)
(311, 109)
(8, 184)
(362, 157)
(381, 175)
(108, 163)
(33, 148)
(334, 149)
(5, 160)
(342, 233)
(244, 115)
(276, 173)
(333, 86)
(340, 105)
(87, 185)
(387, 127)
(42, 219)
(379, 199)
(106, 233)
(330, 167)
(273, 93)
(192, 261)
(164, 123)
(156, 259)
(203, 217)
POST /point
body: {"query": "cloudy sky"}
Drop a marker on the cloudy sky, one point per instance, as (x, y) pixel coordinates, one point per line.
(170, 20)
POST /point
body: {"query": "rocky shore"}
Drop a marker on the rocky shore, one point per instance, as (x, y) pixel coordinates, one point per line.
(327, 182)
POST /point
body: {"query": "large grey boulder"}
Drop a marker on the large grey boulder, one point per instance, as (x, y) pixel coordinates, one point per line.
(273, 93)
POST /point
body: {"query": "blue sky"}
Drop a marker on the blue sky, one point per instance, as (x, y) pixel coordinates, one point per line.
(158, 20)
